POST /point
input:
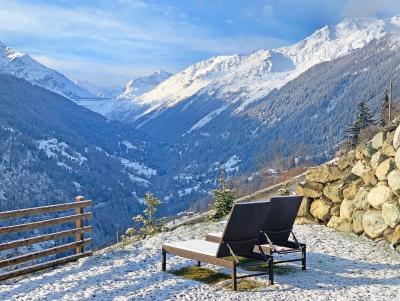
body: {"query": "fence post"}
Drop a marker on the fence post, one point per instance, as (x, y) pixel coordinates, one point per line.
(79, 224)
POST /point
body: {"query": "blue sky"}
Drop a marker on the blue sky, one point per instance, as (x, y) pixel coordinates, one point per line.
(109, 42)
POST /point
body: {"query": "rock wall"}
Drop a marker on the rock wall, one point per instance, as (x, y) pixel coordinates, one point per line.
(359, 191)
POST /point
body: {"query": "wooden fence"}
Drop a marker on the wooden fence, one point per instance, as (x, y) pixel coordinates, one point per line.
(77, 232)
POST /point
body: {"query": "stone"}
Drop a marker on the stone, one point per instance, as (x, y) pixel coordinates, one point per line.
(360, 169)
(335, 210)
(379, 195)
(334, 192)
(361, 199)
(304, 209)
(394, 181)
(303, 221)
(373, 223)
(396, 138)
(321, 208)
(387, 147)
(377, 159)
(348, 177)
(368, 151)
(397, 158)
(346, 210)
(357, 221)
(310, 189)
(391, 214)
(344, 161)
(359, 153)
(350, 191)
(388, 234)
(396, 236)
(384, 169)
(339, 224)
(378, 140)
(369, 178)
(324, 173)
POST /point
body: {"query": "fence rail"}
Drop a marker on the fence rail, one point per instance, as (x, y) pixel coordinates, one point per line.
(77, 232)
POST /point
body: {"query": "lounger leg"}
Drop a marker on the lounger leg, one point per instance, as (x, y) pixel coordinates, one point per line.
(303, 257)
(164, 261)
(198, 263)
(271, 270)
(234, 279)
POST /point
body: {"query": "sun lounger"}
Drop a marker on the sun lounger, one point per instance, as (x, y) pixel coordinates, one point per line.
(241, 235)
(276, 230)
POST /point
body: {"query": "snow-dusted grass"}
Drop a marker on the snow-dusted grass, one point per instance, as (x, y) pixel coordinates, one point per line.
(340, 267)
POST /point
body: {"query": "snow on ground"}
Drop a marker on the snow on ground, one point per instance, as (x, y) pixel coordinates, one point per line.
(340, 267)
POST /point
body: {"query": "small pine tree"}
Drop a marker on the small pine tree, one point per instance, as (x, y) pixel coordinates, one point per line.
(384, 113)
(364, 119)
(353, 133)
(223, 199)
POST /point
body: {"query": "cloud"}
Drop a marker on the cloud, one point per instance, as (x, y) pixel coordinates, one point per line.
(371, 8)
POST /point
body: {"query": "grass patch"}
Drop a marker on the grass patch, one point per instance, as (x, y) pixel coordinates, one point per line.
(243, 285)
(201, 274)
(254, 265)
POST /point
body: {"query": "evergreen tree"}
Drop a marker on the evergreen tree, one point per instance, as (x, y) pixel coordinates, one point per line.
(384, 114)
(364, 119)
(353, 133)
(223, 198)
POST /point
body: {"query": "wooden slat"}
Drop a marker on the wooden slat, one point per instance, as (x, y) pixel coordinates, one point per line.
(42, 266)
(41, 238)
(44, 209)
(44, 223)
(43, 253)
(79, 224)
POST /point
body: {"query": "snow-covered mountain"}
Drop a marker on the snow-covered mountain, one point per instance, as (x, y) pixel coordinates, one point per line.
(242, 79)
(102, 92)
(23, 66)
(141, 85)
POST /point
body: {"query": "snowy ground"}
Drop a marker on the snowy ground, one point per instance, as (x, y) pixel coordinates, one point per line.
(340, 267)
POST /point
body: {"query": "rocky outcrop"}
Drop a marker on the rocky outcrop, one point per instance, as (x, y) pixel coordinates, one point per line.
(360, 191)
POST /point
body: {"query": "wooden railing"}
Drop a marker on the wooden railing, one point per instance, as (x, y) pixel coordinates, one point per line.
(77, 232)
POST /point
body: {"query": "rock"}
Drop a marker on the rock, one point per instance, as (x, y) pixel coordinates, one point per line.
(344, 161)
(379, 195)
(303, 221)
(377, 159)
(388, 234)
(361, 199)
(397, 158)
(387, 147)
(335, 210)
(384, 169)
(360, 169)
(349, 192)
(396, 138)
(373, 223)
(324, 173)
(321, 208)
(339, 224)
(396, 236)
(348, 177)
(310, 189)
(357, 221)
(369, 178)
(334, 192)
(368, 151)
(394, 181)
(304, 209)
(378, 140)
(346, 210)
(391, 214)
(359, 153)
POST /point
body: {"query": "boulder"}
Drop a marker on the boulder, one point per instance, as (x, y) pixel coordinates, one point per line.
(339, 224)
(321, 208)
(304, 209)
(324, 173)
(360, 169)
(388, 234)
(387, 147)
(368, 150)
(335, 210)
(394, 181)
(379, 195)
(378, 140)
(359, 153)
(346, 210)
(344, 161)
(396, 138)
(397, 158)
(369, 178)
(334, 191)
(396, 236)
(361, 199)
(310, 189)
(391, 214)
(357, 221)
(348, 176)
(377, 159)
(350, 191)
(373, 223)
(384, 169)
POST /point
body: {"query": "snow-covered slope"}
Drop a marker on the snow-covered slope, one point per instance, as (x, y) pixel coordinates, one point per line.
(23, 66)
(102, 92)
(246, 78)
(141, 85)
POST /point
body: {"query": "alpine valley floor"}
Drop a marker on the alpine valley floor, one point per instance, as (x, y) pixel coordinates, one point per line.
(340, 267)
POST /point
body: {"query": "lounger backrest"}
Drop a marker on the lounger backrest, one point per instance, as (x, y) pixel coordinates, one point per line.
(243, 228)
(281, 216)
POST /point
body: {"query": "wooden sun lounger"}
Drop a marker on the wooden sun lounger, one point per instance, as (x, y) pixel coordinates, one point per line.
(238, 239)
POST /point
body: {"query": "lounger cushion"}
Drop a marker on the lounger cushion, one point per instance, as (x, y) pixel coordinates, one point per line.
(196, 245)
